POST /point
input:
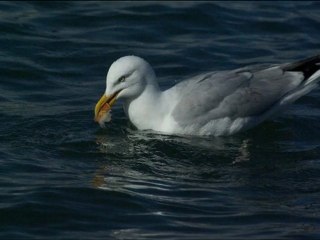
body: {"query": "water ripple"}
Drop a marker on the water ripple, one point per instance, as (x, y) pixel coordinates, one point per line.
(63, 176)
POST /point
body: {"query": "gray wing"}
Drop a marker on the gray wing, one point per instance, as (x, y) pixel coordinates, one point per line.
(234, 94)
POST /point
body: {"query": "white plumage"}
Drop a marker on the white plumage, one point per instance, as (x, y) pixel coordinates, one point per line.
(214, 103)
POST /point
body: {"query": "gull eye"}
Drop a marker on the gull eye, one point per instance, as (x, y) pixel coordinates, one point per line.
(122, 79)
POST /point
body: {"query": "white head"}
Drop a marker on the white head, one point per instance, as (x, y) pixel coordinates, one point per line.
(129, 76)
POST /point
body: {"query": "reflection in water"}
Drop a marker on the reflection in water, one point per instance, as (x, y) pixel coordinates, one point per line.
(98, 179)
(182, 178)
(244, 154)
(135, 155)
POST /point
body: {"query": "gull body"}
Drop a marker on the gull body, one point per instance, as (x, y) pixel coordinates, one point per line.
(214, 103)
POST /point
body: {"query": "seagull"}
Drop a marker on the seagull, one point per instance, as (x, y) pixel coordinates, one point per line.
(213, 103)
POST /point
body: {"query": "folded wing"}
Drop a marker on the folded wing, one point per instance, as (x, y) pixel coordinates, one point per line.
(234, 94)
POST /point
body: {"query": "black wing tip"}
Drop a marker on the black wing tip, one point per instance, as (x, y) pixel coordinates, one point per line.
(308, 66)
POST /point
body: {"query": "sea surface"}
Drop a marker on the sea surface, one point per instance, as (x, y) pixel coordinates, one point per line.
(63, 177)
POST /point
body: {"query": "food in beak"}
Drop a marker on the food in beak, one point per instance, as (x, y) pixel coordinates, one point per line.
(102, 109)
(104, 115)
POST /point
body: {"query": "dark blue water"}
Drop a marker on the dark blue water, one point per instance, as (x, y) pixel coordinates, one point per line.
(62, 177)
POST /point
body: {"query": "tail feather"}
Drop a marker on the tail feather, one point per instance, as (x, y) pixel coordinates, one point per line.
(313, 78)
(311, 70)
(309, 67)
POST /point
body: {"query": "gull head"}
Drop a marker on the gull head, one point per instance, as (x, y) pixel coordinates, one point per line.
(126, 79)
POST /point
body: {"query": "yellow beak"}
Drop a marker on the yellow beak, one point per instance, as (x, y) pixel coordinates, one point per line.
(104, 105)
